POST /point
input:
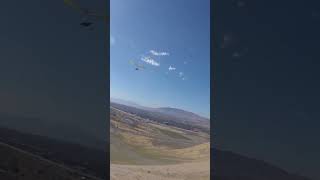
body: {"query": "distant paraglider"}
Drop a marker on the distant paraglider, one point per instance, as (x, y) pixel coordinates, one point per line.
(136, 65)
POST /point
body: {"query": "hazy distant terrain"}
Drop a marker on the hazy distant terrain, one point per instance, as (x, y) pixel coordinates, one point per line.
(142, 148)
(170, 116)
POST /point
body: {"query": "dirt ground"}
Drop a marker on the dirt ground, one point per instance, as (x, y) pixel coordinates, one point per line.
(184, 171)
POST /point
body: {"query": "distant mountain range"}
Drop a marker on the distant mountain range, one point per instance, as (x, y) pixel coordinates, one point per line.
(166, 115)
(167, 110)
(127, 103)
(180, 113)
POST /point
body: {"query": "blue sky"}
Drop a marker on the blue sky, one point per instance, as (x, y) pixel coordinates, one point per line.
(171, 39)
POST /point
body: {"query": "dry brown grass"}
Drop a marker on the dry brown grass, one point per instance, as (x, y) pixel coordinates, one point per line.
(176, 154)
(184, 171)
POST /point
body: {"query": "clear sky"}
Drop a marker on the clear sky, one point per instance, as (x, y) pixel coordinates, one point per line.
(171, 39)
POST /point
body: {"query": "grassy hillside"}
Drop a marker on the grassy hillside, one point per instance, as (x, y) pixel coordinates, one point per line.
(135, 140)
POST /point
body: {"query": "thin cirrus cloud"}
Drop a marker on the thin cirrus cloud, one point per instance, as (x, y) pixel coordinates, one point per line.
(150, 61)
(171, 68)
(181, 74)
(156, 53)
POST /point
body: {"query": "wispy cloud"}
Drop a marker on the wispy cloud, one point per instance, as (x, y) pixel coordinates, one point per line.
(150, 61)
(156, 53)
(171, 68)
(181, 74)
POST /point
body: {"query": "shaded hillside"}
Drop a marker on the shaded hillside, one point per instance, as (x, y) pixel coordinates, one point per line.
(170, 118)
(84, 159)
(230, 166)
(16, 164)
(74, 131)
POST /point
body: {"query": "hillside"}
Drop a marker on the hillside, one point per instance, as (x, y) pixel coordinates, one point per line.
(169, 116)
(139, 139)
(16, 164)
(145, 149)
(73, 130)
(86, 160)
(227, 165)
(181, 114)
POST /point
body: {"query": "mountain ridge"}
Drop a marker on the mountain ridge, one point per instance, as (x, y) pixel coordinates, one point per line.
(167, 109)
(174, 119)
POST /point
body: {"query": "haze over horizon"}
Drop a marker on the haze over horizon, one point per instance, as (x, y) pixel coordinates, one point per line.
(132, 103)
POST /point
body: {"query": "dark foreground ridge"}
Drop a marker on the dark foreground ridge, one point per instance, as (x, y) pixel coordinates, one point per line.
(22, 154)
(18, 164)
(227, 165)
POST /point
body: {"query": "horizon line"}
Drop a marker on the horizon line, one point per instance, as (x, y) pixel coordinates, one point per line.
(139, 104)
